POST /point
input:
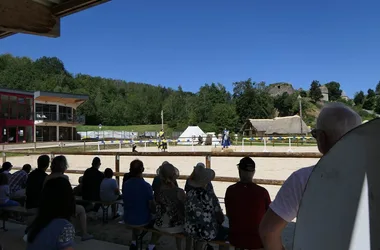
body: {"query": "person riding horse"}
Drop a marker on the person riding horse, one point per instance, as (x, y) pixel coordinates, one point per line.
(162, 144)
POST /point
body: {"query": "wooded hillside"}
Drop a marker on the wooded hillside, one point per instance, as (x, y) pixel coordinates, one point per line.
(117, 102)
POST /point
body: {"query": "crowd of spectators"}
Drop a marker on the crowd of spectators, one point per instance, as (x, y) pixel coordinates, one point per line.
(254, 222)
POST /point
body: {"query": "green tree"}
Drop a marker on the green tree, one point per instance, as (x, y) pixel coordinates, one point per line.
(224, 116)
(370, 93)
(359, 98)
(303, 93)
(334, 90)
(207, 97)
(315, 92)
(377, 105)
(370, 100)
(286, 104)
(252, 100)
(377, 90)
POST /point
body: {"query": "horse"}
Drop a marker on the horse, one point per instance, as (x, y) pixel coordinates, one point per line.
(163, 145)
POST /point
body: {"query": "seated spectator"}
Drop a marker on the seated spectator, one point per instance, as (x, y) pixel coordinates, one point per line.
(34, 185)
(5, 201)
(92, 178)
(170, 203)
(127, 176)
(88, 206)
(58, 167)
(333, 122)
(138, 201)
(52, 230)
(203, 214)
(109, 190)
(157, 180)
(246, 203)
(78, 190)
(6, 168)
(17, 182)
(199, 167)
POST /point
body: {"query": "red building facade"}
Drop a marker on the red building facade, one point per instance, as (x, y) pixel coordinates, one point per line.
(16, 116)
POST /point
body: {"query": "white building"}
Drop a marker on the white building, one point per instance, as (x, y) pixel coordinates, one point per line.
(56, 117)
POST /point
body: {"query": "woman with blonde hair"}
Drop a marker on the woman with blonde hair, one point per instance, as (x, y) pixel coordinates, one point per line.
(170, 203)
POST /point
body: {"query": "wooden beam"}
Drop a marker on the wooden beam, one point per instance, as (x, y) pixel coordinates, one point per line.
(5, 33)
(54, 33)
(184, 177)
(194, 154)
(73, 6)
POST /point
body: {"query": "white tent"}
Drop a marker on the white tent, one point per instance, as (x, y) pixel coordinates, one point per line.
(186, 138)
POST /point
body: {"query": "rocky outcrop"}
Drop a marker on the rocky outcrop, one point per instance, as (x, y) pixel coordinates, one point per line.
(280, 88)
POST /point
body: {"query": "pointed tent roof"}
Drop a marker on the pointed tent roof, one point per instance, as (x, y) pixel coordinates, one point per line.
(190, 132)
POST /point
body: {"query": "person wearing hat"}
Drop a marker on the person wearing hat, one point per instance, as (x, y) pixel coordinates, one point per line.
(197, 168)
(246, 204)
(157, 180)
(138, 201)
(203, 215)
(170, 202)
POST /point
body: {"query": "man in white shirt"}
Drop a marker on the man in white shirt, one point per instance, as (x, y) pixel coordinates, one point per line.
(333, 122)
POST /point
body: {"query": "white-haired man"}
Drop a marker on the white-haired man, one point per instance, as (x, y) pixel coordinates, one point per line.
(333, 122)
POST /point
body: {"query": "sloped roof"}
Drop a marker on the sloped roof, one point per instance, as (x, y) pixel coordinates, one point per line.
(261, 124)
(287, 125)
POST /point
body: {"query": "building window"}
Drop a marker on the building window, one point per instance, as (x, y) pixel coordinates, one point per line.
(13, 107)
(4, 99)
(29, 109)
(29, 134)
(46, 112)
(65, 114)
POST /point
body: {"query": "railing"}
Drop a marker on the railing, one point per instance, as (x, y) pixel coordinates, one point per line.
(59, 117)
(207, 155)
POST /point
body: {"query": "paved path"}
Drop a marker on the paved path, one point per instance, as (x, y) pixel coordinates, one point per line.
(12, 240)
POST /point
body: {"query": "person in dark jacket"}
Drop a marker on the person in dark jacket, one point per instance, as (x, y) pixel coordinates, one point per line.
(35, 184)
(92, 178)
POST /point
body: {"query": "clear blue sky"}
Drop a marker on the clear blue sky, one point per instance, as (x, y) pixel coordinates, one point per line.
(189, 43)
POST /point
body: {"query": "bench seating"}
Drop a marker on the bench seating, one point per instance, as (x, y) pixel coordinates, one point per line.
(15, 209)
(104, 205)
(145, 230)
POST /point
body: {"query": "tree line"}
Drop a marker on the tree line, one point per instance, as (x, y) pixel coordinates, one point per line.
(116, 102)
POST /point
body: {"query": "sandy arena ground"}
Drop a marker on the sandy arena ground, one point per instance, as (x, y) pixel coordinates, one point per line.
(266, 168)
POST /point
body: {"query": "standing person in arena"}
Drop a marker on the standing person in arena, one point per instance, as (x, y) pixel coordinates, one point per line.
(246, 203)
(92, 178)
(333, 122)
(52, 229)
